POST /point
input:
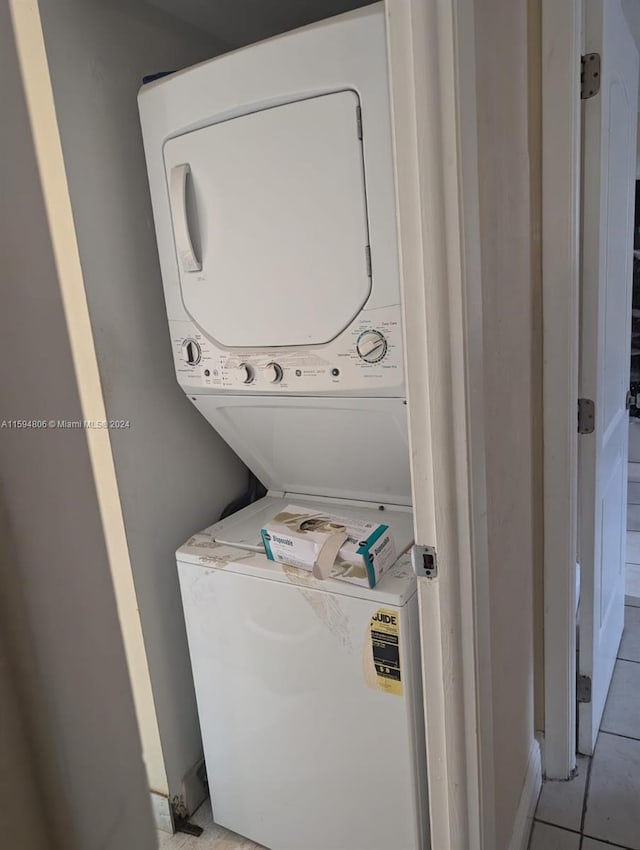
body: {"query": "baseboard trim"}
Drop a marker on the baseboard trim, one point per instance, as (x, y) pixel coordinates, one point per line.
(162, 813)
(528, 800)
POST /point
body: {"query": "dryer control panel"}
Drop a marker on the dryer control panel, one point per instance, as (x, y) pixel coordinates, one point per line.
(366, 359)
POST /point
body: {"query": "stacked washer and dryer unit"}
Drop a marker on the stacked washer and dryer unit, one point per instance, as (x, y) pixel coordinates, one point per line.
(271, 177)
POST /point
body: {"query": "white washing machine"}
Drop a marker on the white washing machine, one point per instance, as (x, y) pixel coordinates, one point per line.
(309, 692)
(271, 177)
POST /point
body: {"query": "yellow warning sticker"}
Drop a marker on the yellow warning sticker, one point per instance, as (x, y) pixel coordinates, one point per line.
(384, 640)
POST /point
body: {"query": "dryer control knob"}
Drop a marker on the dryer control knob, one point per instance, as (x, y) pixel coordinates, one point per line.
(371, 346)
(191, 352)
(273, 373)
(246, 373)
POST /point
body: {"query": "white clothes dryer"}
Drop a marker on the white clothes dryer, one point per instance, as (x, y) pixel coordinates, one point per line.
(271, 177)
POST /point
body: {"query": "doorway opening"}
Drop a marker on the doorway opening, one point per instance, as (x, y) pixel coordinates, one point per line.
(589, 170)
(588, 235)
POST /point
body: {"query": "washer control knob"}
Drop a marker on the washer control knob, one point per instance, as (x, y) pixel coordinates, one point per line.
(191, 352)
(246, 373)
(371, 346)
(273, 373)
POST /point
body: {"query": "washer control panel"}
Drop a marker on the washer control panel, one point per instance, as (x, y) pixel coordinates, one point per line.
(365, 358)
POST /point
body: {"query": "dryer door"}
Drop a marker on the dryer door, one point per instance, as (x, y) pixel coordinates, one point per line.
(270, 222)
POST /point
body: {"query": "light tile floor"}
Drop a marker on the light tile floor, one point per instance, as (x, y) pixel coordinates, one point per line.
(600, 808)
(632, 580)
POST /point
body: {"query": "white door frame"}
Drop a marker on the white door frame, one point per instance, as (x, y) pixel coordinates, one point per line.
(433, 79)
(562, 46)
(561, 137)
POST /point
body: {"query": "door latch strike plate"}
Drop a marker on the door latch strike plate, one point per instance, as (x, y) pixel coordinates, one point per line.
(424, 561)
(583, 688)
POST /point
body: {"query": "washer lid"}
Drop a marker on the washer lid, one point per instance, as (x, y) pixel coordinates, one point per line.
(270, 222)
(234, 545)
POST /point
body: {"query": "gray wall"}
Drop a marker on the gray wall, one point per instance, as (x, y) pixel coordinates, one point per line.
(57, 607)
(21, 798)
(174, 473)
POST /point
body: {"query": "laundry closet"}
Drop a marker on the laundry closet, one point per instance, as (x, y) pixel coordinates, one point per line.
(306, 396)
(272, 183)
(76, 164)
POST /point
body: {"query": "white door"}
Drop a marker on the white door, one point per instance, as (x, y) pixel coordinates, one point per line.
(270, 221)
(609, 154)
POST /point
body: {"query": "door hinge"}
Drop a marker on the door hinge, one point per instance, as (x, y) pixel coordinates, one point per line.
(424, 561)
(583, 688)
(589, 75)
(359, 122)
(586, 416)
(367, 251)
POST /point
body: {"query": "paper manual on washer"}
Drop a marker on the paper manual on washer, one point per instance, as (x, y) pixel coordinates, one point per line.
(330, 546)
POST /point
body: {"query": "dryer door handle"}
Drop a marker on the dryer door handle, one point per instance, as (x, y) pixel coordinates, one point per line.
(178, 201)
